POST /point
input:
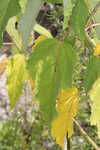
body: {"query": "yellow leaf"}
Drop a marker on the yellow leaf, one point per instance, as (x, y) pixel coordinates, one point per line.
(17, 74)
(67, 104)
(31, 82)
(3, 65)
(38, 40)
(97, 50)
(94, 94)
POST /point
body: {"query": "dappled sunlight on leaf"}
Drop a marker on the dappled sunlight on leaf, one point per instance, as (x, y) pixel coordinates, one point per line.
(67, 104)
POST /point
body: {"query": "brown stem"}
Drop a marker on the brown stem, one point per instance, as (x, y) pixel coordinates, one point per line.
(86, 135)
(8, 44)
(92, 25)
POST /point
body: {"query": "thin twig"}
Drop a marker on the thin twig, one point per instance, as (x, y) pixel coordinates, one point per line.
(86, 135)
(92, 25)
(8, 44)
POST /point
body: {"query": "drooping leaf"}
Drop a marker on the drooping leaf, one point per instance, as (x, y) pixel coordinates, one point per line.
(13, 32)
(92, 72)
(51, 67)
(16, 76)
(3, 64)
(97, 50)
(95, 104)
(67, 104)
(8, 9)
(79, 18)
(27, 20)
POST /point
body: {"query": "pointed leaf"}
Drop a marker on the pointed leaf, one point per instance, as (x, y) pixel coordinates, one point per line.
(79, 18)
(28, 20)
(67, 12)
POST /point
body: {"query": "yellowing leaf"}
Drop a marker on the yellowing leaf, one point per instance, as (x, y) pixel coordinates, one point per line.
(97, 50)
(31, 82)
(3, 65)
(95, 104)
(16, 76)
(67, 104)
(38, 40)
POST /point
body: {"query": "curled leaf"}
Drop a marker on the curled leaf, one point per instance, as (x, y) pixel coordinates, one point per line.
(97, 50)
(67, 104)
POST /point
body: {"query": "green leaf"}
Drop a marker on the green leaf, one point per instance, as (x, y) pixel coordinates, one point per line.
(66, 63)
(13, 32)
(16, 76)
(28, 20)
(41, 65)
(92, 72)
(79, 18)
(67, 11)
(95, 104)
(51, 67)
(8, 9)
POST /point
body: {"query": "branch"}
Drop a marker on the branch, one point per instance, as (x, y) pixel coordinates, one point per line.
(86, 135)
(8, 44)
